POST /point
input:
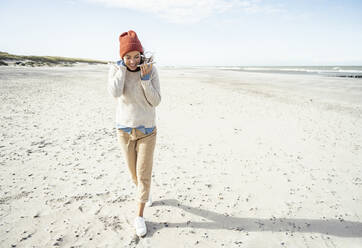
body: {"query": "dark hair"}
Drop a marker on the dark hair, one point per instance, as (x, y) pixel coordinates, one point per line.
(142, 58)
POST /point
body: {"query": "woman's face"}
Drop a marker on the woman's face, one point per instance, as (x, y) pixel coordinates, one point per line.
(132, 59)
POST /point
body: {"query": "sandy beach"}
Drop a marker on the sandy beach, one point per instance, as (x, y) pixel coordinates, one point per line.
(242, 160)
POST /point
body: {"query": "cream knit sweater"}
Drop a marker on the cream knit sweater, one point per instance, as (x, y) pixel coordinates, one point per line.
(136, 98)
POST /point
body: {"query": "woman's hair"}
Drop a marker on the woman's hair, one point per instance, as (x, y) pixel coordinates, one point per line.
(142, 58)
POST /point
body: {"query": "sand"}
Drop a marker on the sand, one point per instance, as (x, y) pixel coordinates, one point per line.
(242, 160)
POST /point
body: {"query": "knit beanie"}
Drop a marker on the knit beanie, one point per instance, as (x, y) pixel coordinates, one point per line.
(129, 42)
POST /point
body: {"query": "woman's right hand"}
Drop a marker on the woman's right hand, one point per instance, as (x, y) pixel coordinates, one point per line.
(114, 69)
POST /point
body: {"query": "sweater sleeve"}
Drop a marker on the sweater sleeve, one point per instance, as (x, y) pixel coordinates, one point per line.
(152, 89)
(116, 77)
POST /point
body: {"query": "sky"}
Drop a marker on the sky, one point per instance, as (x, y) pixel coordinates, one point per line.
(189, 32)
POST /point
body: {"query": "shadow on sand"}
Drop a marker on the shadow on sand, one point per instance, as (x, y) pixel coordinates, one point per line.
(334, 227)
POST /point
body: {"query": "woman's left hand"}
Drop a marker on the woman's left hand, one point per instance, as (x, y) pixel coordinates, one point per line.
(145, 69)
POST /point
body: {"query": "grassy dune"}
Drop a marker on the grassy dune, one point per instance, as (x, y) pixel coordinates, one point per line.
(6, 58)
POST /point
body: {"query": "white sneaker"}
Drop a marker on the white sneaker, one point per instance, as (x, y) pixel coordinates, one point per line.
(149, 202)
(140, 225)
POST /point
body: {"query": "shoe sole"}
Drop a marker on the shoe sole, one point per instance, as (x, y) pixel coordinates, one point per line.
(142, 236)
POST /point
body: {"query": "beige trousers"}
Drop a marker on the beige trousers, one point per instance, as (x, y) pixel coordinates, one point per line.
(138, 149)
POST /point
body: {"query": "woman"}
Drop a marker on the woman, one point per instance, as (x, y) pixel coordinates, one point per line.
(136, 87)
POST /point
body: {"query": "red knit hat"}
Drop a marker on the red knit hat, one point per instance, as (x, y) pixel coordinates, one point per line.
(129, 42)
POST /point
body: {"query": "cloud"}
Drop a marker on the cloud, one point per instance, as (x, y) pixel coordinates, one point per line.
(257, 6)
(187, 11)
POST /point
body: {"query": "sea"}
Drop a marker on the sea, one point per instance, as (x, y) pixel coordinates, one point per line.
(330, 71)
